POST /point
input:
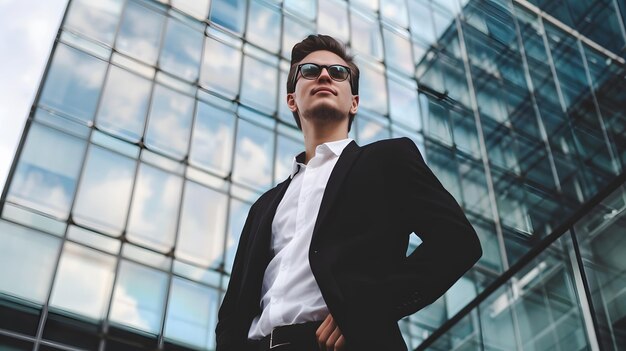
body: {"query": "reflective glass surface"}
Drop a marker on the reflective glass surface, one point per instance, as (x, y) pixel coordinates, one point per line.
(96, 20)
(182, 47)
(221, 67)
(124, 104)
(74, 83)
(140, 32)
(212, 140)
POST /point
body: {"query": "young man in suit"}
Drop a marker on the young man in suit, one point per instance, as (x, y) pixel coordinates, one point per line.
(321, 263)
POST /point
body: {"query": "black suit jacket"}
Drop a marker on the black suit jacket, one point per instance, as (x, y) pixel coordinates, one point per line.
(376, 196)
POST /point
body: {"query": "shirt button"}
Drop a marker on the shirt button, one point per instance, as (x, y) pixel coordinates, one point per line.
(315, 252)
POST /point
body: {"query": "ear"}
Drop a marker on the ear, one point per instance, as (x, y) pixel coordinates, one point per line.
(291, 102)
(355, 104)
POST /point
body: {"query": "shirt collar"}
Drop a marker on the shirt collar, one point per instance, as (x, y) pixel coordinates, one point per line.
(336, 147)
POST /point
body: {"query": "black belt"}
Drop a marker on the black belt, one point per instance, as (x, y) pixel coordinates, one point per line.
(288, 337)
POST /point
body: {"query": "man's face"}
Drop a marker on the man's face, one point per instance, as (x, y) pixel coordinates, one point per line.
(322, 98)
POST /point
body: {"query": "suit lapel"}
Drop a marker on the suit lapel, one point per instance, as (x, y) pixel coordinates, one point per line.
(259, 247)
(337, 177)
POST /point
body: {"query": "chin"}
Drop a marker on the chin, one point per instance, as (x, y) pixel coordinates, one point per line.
(325, 112)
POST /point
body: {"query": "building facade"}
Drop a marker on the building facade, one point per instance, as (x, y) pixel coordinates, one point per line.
(158, 123)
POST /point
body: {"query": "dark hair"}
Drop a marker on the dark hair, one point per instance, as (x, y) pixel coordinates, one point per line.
(320, 42)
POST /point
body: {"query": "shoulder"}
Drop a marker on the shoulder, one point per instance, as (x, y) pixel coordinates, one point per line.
(397, 148)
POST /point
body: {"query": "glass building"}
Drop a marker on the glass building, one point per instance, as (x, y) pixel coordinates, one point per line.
(158, 123)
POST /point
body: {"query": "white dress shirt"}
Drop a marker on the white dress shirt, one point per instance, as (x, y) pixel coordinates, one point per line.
(290, 294)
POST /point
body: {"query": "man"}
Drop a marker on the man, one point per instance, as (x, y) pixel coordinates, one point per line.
(321, 263)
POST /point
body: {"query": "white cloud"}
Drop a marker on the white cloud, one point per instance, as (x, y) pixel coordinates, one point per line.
(27, 32)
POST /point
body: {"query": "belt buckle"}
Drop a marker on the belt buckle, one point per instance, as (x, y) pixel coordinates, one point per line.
(272, 346)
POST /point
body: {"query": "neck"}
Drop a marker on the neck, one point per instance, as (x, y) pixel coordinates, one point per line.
(315, 135)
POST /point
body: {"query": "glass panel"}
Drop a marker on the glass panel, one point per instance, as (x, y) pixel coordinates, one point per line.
(398, 51)
(442, 162)
(259, 84)
(293, 33)
(491, 257)
(371, 129)
(181, 52)
(169, 123)
(422, 26)
(73, 83)
(264, 26)
(192, 314)
(229, 14)
(305, 8)
(436, 120)
(212, 140)
(196, 8)
(154, 208)
(474, 184)
(202, 226)
(287, 149)
(254, 152)
(369, 4)
(97, 20)
(366, 37)
(236, 220)
(124, 104)
(496, 321)
(45, 177)
(104, 193)
(139, 297)
(403, 107)
(27, 262)
(465, 133)
(221, 68)
(73, 292)
(333, 19)
(372, 90)
(602, 246)
(394, 11)
(140, 33)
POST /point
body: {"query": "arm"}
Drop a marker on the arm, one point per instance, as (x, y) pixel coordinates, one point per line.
(449, 246)
(229, 333)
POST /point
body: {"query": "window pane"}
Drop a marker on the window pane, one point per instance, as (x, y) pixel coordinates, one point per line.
(73, 83)
(73, 292)
(140, 33)
(437, 121)
(212, 140)
(253, 161)
(154, 208)
(294, 32)
(236, 220)
(394, 11)
(202, 226)
(95, 19)
(221, 67)
(169, 123)
(333, 19)
(182, 47)
(303, 8)
(422, 26)
(464, 131)
(474, 183)
(104, 192)
(196, 8)
(371, 129)
(27, 262)
(398, 52)
(287, 149)
(259, 85)
(403, 106)
(366, 35)
(124, 104)
(192, 314)
(263, 26)
(45, 178)
(139, 297)
(229, 14)
(372, 88)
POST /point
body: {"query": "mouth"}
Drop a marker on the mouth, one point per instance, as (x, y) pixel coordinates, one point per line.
(324, 90)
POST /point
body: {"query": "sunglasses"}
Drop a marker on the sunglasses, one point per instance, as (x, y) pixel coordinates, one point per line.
(312, 71)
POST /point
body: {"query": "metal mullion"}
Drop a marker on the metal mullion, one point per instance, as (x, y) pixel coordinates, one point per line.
(122, 238)
(482, 146)
(596, 106)
(583, 291)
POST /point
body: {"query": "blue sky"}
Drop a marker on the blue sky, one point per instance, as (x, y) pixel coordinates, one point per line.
(27, 31)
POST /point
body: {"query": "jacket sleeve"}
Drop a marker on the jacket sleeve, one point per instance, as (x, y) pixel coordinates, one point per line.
(230, 331)
(449, 245)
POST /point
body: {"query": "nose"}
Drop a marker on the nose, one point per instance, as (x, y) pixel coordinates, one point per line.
(324, 74)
